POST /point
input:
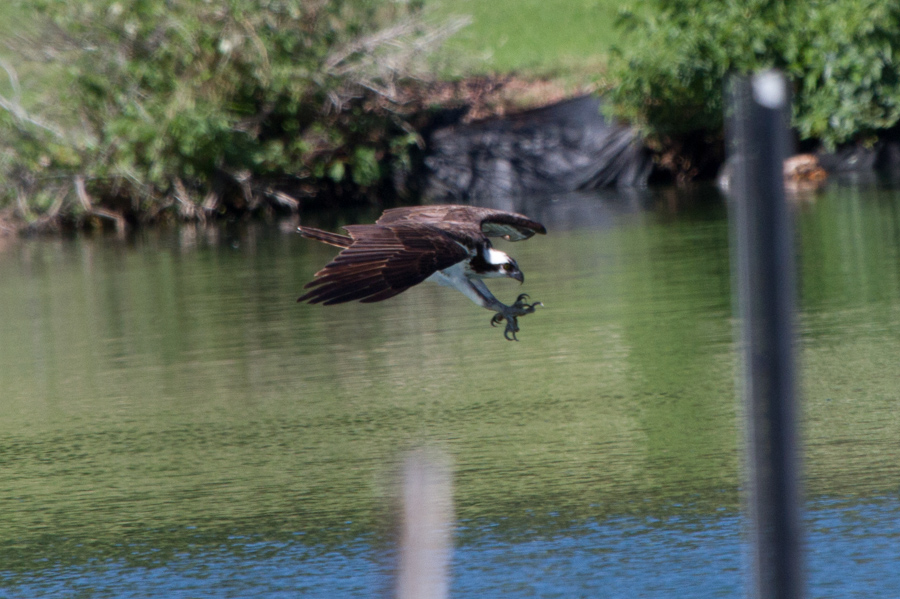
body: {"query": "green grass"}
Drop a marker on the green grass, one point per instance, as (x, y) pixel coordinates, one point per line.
(536, 37)
(25, 49)
(14, 26)
(10, 24)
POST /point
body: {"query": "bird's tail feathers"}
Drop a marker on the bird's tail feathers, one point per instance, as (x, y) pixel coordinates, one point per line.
(335, 239)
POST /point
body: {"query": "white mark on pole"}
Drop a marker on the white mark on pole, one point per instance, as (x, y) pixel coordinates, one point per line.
(769, 89)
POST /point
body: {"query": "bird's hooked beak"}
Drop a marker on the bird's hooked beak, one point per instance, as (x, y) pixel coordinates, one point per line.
(517, 275)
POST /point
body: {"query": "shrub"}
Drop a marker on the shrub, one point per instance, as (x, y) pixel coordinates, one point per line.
(193, 103)
(843, 57)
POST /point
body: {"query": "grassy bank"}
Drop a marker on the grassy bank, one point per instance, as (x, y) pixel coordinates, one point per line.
(559, 39)
(146, 110)
(130, 111)
(127, 112)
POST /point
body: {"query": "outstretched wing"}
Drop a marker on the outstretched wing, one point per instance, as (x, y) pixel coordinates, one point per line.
(383, 261)
(472, 221)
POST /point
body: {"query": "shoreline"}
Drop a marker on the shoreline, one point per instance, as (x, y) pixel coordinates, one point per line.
(426, 107)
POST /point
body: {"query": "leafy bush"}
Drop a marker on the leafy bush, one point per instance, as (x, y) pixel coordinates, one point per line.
(843, 57)
(193, 103)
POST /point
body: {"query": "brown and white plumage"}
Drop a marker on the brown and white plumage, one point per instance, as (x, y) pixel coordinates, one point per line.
(447, 244)
(470, 221)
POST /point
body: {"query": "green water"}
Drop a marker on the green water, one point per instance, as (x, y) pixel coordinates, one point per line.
(164, 396)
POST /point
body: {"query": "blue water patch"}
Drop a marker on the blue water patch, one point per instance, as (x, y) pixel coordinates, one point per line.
(271, 570)
(623, 558)
(853, 551)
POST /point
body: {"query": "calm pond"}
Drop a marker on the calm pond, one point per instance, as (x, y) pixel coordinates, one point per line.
(174, 424)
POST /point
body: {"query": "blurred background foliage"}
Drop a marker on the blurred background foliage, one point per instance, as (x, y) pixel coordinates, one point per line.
(201, 106)
(842, 56)
(132, 110)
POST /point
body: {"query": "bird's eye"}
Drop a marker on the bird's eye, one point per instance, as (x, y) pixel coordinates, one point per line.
(507, 267)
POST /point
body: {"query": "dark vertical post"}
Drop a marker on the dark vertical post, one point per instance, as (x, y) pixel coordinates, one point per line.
(763, 238)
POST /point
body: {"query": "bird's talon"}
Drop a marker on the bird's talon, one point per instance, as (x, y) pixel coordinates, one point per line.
(511, 315)
(522, 307)
(512, 327)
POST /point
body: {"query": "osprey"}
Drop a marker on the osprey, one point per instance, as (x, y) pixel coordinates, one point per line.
(449, 245)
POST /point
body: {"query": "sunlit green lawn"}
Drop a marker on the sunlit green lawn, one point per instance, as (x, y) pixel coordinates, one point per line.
(538, 37)
(29, 80)
(568, 39)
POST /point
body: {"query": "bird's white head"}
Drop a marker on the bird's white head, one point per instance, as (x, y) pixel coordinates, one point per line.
(504, 266)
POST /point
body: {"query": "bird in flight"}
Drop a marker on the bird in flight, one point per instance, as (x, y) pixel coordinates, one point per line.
(446, 244)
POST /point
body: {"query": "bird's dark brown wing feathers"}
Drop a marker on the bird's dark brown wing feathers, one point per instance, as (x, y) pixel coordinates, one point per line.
(383, 261)
(470, 220)
(335, 239)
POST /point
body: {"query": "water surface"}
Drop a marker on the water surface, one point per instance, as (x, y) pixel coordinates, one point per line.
(174, 424)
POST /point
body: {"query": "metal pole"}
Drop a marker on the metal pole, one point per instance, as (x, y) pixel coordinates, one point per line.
(762, 233)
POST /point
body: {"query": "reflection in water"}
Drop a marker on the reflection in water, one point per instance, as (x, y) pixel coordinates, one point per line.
(173, 422)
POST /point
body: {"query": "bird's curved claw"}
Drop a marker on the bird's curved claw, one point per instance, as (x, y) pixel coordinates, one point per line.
(511, 315)
(521, 305)
(512, 325)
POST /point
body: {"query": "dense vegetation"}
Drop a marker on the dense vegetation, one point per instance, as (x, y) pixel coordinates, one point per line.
(843, 57)
(199, 107)
(134, 109)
